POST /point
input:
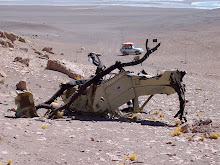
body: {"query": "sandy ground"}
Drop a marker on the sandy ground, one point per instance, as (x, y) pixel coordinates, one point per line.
(189, 41)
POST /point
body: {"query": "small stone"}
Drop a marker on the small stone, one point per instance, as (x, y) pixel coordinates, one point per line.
(24, 49)
(47, 49)
(2, 73)
(21, 85)
(37, 52)
(21, 60)
(21, 40)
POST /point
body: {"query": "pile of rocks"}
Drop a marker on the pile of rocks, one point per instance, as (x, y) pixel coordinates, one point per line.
(7, 39)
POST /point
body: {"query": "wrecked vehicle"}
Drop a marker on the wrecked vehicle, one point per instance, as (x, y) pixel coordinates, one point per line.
(103, 95)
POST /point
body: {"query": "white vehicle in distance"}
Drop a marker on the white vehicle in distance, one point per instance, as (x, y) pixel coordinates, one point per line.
(129, 48)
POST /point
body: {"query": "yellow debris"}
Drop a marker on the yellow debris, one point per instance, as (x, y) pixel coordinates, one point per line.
(59, 114)
(77, 78)
(141, 111)
(56, 101)
(214, 135)
(178, 129)
(197, 114)
(156, 112)
(162, 115)
(130, 115)
(177, 132)
(44, 126)
(117, 112)
(9, 162)
(202, 138)
(212, 93)
(131, 157)
(29, 91)
(121, 164)
(178, 122)
(190, 138)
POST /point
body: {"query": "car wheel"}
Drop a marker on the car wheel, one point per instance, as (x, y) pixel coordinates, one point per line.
(137, 52)
(124, 53)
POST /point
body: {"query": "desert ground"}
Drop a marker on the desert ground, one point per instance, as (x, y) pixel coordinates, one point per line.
(190, 42)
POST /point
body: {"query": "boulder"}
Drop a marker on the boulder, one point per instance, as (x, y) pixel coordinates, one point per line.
(70, 69)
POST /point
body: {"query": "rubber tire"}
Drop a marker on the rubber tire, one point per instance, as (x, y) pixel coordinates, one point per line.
(124, 53)
(137, 52)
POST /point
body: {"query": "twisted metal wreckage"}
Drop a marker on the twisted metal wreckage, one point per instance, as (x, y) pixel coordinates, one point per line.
(104, 96)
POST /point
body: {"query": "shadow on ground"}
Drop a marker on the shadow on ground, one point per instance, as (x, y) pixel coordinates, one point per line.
(122, 119)
(104, 119)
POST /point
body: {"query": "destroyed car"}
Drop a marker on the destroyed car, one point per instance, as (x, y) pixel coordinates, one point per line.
(103, 94)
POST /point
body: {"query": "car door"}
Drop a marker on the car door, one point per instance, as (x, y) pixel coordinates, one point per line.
(133, 49)
(130, 50)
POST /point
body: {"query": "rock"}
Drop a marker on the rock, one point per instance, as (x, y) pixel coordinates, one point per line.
(46, 56)
(184, 129)
(2, 73)
(24, 49)
(37, 52)
(70, 69)
(25, 104)
(51, 52)
(47, 49)
(10, 45)
(4, 43)
(7, 39)
(2, 34)
(21, 39)
(23, 61)
(21, 86)
(198, 126)
(11, 36)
